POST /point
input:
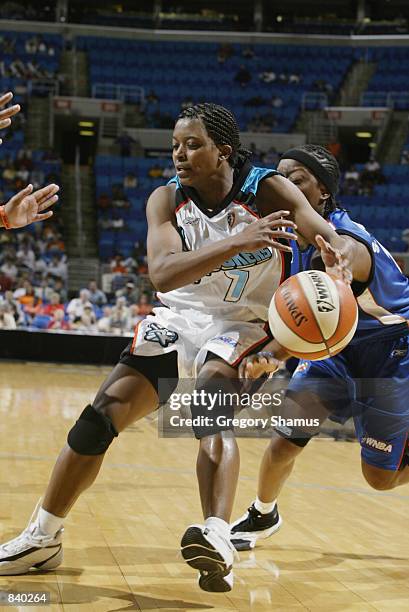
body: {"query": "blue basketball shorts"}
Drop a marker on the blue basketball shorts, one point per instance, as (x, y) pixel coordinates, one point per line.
(369, 382)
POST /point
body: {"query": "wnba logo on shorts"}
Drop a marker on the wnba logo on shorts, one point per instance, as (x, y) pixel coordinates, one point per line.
(378, 444)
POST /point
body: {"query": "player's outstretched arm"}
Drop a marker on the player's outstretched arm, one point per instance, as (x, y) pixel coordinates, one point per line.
(26, 206)
(357, 253)
(170, 267)
(278, 192)
(7, 113)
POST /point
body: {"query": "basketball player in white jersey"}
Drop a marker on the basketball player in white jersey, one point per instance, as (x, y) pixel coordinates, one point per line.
(26, 206)
(216, 265)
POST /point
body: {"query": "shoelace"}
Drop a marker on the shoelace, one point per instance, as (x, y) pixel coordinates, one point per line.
(254, 514)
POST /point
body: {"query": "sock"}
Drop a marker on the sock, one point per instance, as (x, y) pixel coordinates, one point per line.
(213, 522)
(48, 523)
(264, 507)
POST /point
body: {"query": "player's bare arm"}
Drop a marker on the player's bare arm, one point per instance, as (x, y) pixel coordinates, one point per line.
(277, 192)
(7, 113)
(170, 267)
(27, 207)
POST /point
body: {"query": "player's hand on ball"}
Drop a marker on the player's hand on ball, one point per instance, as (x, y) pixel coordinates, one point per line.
(26, 206)
(266, 232)
(256, 365)
(7, 113)
(336, 263)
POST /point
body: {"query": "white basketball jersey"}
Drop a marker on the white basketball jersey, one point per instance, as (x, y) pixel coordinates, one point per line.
(242, 287)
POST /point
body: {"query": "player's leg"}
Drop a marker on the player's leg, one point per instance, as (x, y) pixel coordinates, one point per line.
(206, 547)
(316, 390)
(124, 397)
(383, 480)
(262, 519)
(382, 424)
(129, 393)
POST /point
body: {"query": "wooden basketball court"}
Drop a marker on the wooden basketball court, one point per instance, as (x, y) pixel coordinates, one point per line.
(342, 546)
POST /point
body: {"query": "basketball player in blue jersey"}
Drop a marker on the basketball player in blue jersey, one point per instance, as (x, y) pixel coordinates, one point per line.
(216, 265)
(377, 356)
(26, 206)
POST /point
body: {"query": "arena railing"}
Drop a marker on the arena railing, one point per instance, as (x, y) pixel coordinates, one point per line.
(133, 94)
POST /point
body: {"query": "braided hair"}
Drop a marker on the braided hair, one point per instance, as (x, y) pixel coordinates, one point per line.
(329, 163)
(221, 126)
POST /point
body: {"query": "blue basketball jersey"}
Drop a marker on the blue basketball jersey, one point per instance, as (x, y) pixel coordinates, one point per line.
(384, 300)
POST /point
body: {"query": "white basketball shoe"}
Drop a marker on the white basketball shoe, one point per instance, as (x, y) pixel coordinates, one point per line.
(31, 549)
(206, 550)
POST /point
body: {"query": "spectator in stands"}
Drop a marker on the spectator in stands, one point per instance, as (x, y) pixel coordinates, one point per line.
(96, 296)
(15, 307)
(29, 301)
(104, 323)
(130, 181)
(58, 267)
(243, 76)
(58, 321)
(294, 78)
(168, 172)
(121, 202)
(248, 52)
(224, 52)
(125, 142)
(117, 265)
(44, 291)
(255, 101)
(277, 102)
(87, 320)
(60, 289)
(9, 269)
(25, 255)
(144, 306)
(405, 238)
(76, 306)
(405, 157)
(351, 181)
(371, 175)
(120, 320)
(155, 171)
(104, 202)
(269, 76)
(7, 320)
(129, 292)
(52, 307)
(152, 98)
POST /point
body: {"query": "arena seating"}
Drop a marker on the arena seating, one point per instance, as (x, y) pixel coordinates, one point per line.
(13, 46)
(389, 84)
(176, 71)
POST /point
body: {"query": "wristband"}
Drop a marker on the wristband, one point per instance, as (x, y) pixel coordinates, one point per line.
(4, 218)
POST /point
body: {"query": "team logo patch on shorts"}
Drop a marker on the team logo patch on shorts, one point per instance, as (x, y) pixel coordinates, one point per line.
(385, 447)
(161, 335)
(303, 366)
(226, 340)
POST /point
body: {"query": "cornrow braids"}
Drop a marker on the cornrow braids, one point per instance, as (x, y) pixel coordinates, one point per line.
(327, 160)
(221, 126)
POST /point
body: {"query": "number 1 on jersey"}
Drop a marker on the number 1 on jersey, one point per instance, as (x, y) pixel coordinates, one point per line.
(237, 285)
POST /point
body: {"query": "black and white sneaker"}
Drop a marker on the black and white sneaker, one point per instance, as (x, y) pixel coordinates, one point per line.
(208, 551)
(31, 550)
(253, 526)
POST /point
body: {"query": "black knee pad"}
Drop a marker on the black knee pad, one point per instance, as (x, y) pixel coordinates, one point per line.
(92, 433)
(295, 436)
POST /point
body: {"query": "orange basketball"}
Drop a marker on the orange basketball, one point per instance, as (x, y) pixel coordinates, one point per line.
(313, 315)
